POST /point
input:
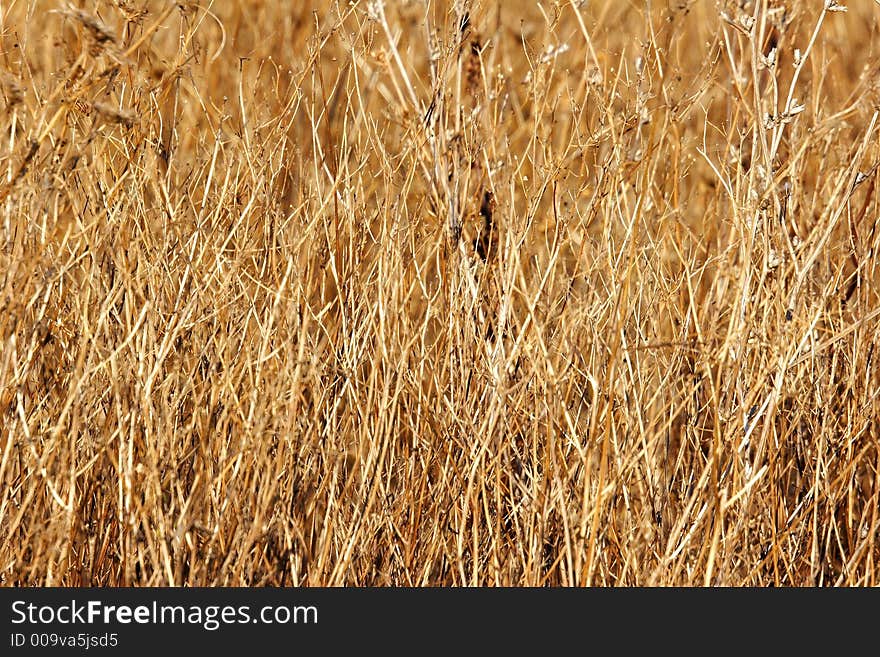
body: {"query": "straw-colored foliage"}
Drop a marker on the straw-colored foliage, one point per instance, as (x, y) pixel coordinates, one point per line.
(427, 292)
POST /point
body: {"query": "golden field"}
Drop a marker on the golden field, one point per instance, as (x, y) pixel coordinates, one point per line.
(435, 292)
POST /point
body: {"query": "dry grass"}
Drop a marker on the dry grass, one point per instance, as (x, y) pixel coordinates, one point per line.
(435, 292)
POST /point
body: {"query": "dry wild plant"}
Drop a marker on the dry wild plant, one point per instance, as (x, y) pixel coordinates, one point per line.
(439, 293)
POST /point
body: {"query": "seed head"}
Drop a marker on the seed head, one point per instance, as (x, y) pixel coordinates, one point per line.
(100, 35)
(112, 114)
(12, 89)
